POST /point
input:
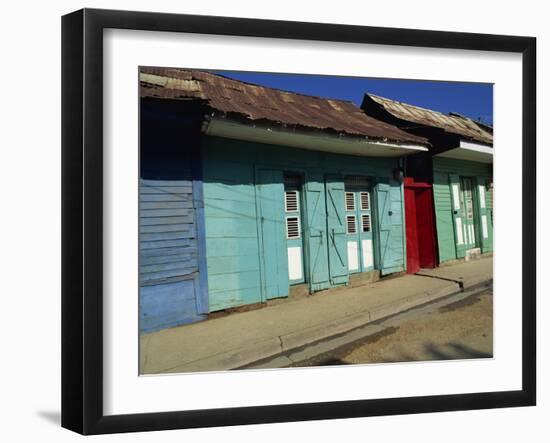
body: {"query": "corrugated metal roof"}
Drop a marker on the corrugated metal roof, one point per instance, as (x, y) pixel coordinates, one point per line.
(453, 123)
(259, 103)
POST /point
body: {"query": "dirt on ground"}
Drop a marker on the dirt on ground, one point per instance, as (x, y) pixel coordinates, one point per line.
(460, 330)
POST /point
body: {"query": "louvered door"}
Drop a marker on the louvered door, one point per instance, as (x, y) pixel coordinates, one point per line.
(485, 228)
(359, 224)
(470, 238)
(294, 228)
(458, 215)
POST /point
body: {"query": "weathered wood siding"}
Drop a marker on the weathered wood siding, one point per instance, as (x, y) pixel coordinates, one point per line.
(232, 216)
(169, 254)
(167, 231)
(442, 168)
(172, 273)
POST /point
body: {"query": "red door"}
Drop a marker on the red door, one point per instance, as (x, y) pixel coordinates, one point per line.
(420, 226)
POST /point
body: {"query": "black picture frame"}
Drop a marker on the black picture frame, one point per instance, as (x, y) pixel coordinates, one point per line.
(82, 219)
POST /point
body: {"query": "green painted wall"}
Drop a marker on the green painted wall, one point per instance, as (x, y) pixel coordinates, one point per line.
(234, 237)
(442, 168)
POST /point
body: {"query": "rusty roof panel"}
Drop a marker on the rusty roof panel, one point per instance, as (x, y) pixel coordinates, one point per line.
(452, 123)
(255, 102)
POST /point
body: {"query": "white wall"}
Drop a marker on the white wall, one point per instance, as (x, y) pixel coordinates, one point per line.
(30, 218)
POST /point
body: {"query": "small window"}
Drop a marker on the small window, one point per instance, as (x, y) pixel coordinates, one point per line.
(351, 225)
(350, 201)
(292, 227)
(291, 201)
(365, 201)
(365, 223)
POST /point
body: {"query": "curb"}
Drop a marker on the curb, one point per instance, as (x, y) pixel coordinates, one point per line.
(308, 350)
(275, 348)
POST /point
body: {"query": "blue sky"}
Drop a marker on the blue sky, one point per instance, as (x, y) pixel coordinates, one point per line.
(474, 100)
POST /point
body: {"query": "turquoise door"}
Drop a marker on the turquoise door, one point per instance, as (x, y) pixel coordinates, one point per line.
(390, 228)
(336, 229)
(316, 232)
(273, 255)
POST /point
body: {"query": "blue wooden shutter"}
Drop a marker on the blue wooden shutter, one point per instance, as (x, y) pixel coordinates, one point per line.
(337, 246)
(316, 233)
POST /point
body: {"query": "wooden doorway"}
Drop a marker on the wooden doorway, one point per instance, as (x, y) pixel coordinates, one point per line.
(420, 226)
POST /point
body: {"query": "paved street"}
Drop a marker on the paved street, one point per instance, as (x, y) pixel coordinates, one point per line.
(444, 330)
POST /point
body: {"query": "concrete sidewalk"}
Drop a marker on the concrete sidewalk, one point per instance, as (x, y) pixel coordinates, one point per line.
(243, 338)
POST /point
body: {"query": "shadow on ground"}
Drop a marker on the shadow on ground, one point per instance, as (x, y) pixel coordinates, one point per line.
(53, 417)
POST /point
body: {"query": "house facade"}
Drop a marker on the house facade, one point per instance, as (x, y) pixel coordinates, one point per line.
(250, 193)
(456, 173)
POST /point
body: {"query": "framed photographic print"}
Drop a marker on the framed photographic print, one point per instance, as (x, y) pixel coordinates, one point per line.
(270, 221)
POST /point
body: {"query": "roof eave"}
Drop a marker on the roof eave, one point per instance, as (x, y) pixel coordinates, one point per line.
(315, 141)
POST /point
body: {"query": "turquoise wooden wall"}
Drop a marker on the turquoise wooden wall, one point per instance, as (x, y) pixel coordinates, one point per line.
(235, 243)
(443, 168)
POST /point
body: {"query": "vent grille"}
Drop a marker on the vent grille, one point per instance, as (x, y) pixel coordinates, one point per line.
(292, 227)
(291, 201)
(365, 201)
(351, 225)
(365, 222)
(350, 201)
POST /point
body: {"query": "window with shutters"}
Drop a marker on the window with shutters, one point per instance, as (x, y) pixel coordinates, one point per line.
(365, 201)
(291, 201)
(292, 227)
(351, 225)
(365, 223)
(350, 201)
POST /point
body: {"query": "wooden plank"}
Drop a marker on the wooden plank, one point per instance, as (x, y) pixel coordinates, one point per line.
(165, 280)
(177, 212)
(167, 205)
(144, 245)
(156, 236)
(188, 249)
(186, 227)
(156, 221)
(184, 189)
(166, 274)
(165, 197)
(180, 267)
(158, 259)
(160, 183)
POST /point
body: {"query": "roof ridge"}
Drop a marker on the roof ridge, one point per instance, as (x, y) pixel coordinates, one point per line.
(433, 111)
